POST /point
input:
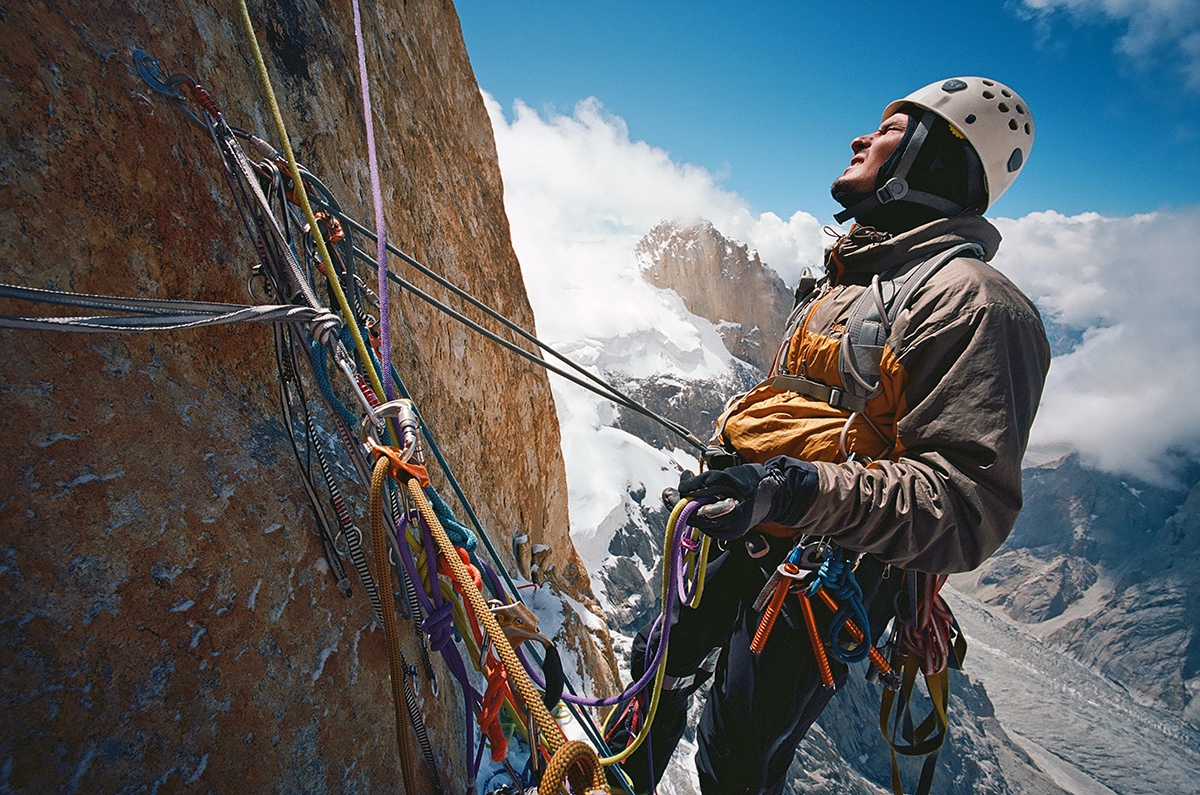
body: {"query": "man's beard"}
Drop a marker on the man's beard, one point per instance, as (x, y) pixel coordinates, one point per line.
(843, 194)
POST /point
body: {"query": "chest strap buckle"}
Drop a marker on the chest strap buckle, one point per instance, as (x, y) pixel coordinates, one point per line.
(835, 397)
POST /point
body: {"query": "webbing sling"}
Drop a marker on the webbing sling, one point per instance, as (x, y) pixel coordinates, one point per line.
(929, 642)
(925, 739)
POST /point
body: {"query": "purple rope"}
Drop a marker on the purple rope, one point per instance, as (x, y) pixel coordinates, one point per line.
(385, 350)
(493, 577)
(438, 625)
(660, 652)
(690, 544)
(439, 615)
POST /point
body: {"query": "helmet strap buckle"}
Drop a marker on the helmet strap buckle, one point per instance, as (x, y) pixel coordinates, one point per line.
(895, 189)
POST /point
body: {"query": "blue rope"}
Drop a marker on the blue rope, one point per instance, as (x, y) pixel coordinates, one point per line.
(837, 577)
(427, 432)
(459, 533)
(320, 365)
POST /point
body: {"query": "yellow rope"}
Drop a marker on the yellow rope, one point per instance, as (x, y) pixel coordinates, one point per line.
(551, 733)
(302, 195)
(700, 563)
(656, 689)
(391, 629)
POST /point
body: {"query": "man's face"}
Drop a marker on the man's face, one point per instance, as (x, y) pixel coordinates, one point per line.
(870, 153)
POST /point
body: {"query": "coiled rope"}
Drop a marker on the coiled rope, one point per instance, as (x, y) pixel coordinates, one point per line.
(575, 761)
(836, 576)
(929, 642)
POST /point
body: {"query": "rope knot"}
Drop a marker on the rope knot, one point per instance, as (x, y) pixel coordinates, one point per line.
(836, 576)
(439, 626)
(324, 327)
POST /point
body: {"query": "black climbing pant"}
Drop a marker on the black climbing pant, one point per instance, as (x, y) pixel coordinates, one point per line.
(760, 705)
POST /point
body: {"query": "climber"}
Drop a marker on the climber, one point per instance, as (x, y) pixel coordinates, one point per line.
(892, 424)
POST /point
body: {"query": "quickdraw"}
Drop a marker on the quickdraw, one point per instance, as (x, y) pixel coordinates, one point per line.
(822, 572)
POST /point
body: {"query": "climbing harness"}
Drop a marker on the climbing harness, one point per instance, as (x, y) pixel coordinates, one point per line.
(926, 638)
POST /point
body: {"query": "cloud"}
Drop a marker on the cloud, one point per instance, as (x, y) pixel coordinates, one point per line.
(1153, 28)
(1127, 396)
(581, 177)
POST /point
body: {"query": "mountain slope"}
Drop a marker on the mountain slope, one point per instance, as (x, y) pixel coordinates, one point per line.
(1107, 568)
(722, 281)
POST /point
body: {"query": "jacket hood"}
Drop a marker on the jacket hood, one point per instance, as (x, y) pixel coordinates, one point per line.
(865, 251)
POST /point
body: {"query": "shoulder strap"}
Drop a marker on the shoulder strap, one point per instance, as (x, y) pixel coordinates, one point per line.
(808, 289)
(871, 318)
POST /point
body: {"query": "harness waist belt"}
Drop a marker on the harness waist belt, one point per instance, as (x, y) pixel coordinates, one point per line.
(837, 398)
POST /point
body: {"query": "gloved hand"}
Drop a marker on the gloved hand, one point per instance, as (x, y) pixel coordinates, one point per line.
(779, 491)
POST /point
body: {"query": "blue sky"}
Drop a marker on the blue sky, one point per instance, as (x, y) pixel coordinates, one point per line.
(767, 96)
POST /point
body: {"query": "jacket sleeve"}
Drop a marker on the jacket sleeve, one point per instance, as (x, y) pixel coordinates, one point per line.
(951, 498)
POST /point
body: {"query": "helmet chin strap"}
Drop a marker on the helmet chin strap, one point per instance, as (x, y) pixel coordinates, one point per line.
(896, 188)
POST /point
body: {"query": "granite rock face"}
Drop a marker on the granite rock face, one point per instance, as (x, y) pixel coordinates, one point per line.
(167, 619)
(721, 280)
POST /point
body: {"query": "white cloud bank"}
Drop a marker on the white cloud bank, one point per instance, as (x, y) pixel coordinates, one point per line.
(580, 178)
(1128, 396)
(1153, 28)
(579, 194)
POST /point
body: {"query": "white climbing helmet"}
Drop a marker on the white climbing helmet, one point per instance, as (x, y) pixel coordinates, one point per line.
(990, 115)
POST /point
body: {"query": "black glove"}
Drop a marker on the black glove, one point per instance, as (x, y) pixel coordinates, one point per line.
(779, 491)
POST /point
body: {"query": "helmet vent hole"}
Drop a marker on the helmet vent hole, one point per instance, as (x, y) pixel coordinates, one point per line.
(1028, 129)
(1006, 92)
(1012, 124)
(1003, 107)
(971, 119)
(988, 83)
(1020, 109)
(988, 95)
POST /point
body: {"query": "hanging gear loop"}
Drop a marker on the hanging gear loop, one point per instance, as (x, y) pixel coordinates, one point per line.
(929, 642)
